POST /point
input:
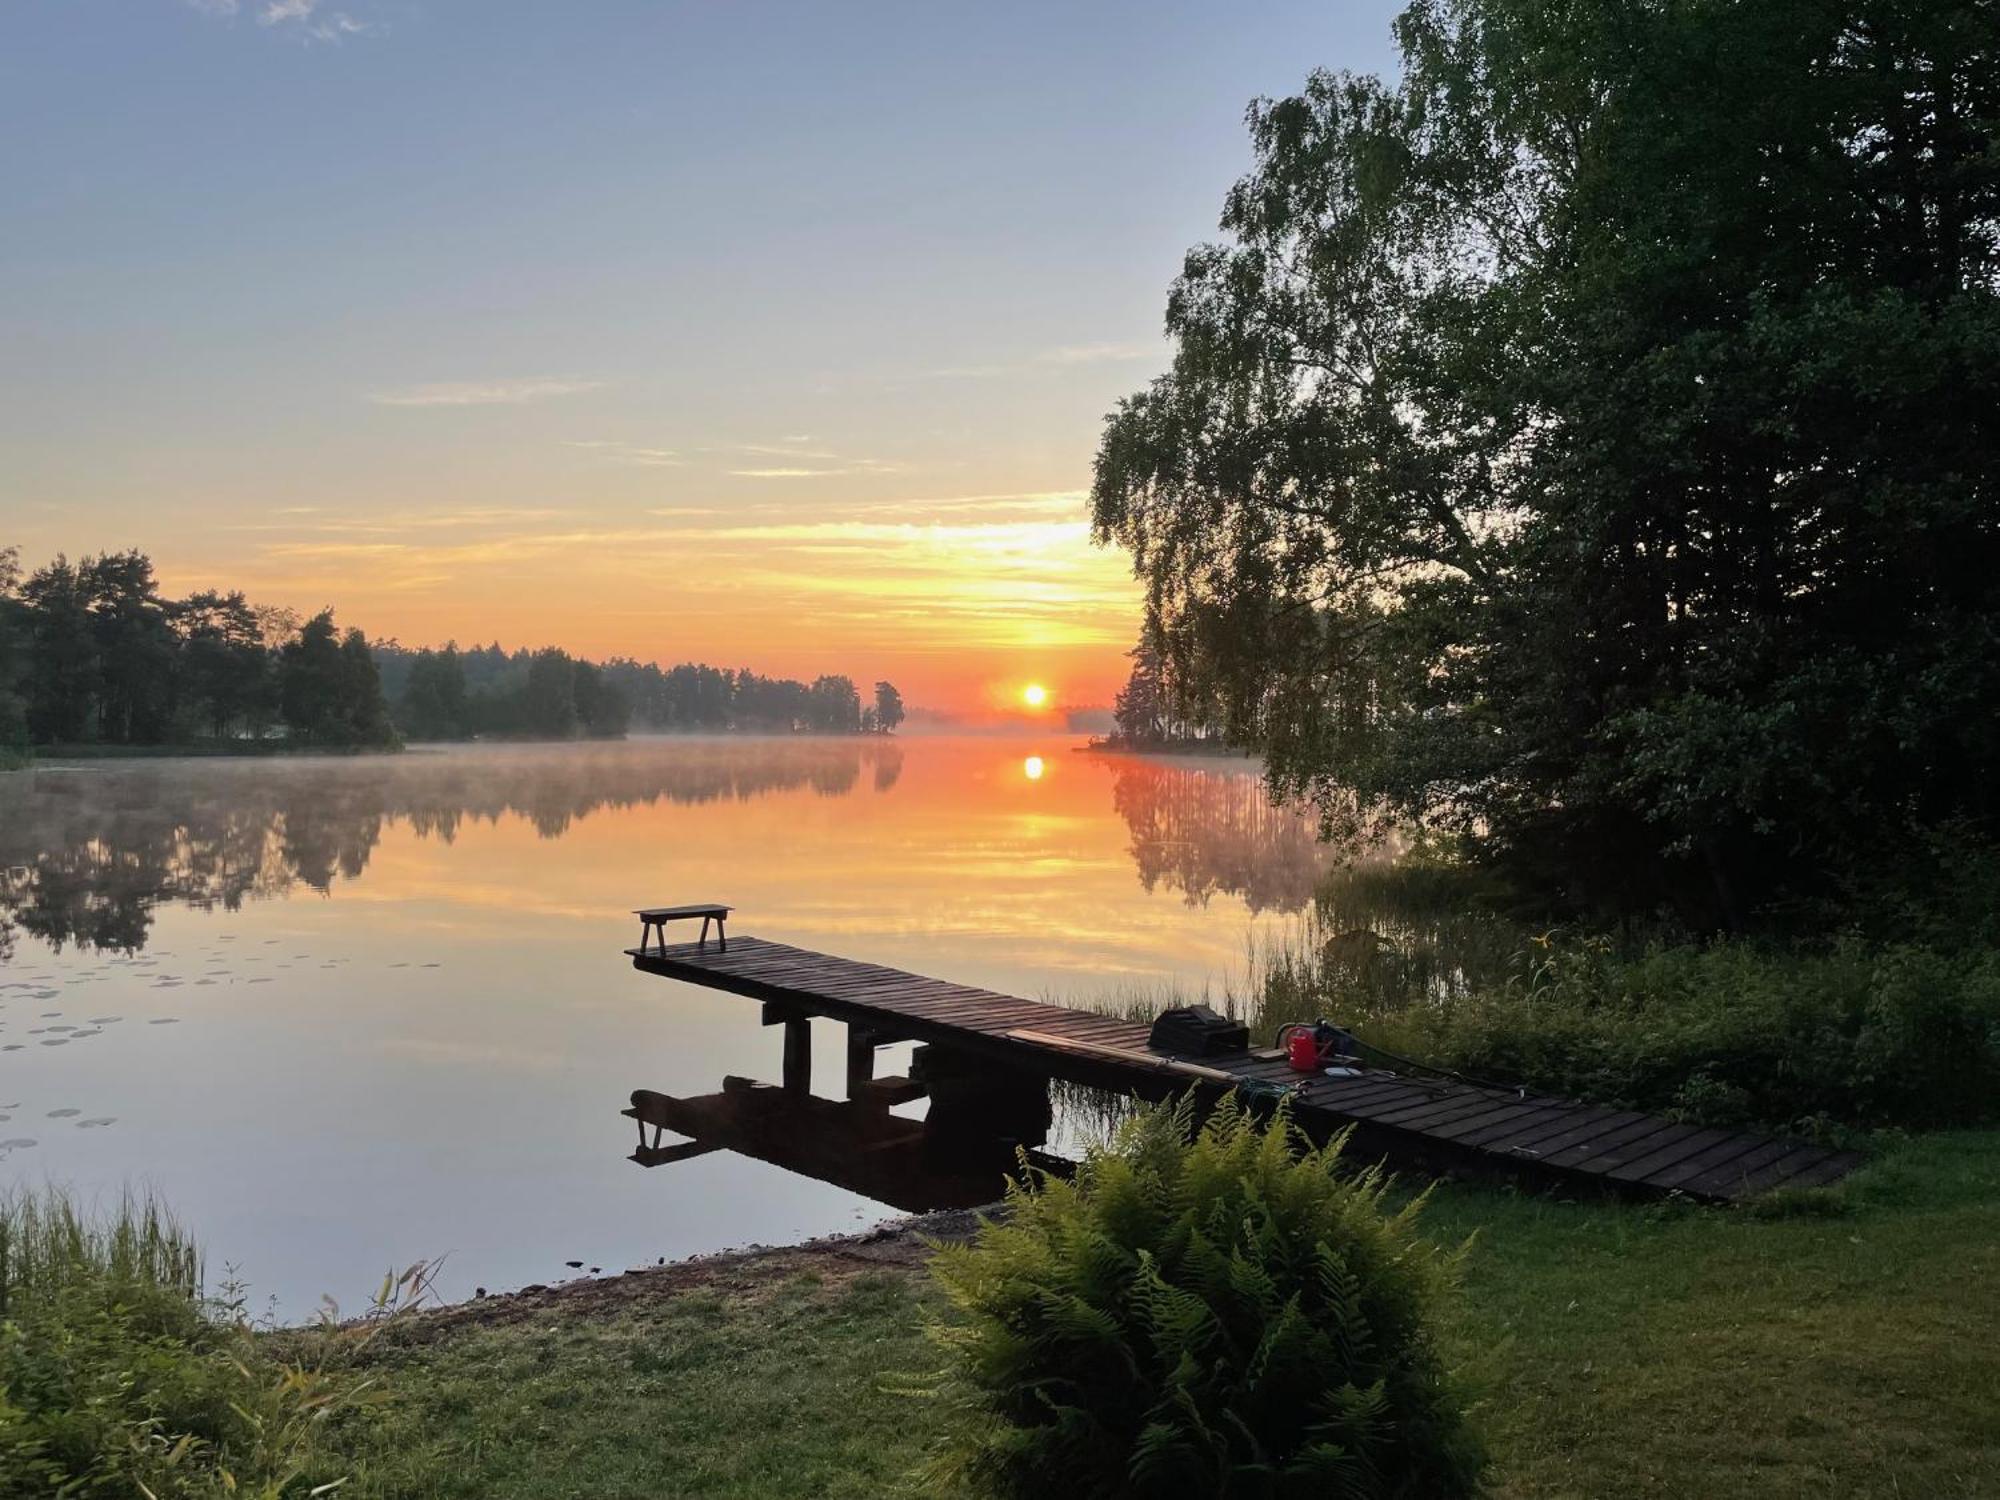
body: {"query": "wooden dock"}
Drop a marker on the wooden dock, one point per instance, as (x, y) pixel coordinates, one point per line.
(1437, 1125)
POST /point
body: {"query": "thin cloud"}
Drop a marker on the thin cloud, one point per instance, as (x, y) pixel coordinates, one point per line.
(789, 471)
(340, 26)
(789, 448)
(970, 372)
(419, 521)
(1067, 356)
(627, 453)
(1054, 502)
(1094, 354)
(484, 392)
(298, 18)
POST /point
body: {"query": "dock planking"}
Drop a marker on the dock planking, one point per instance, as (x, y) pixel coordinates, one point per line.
(1436, 1124)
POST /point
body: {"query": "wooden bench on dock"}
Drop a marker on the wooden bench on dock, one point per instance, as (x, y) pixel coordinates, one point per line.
(1437, 1124)
(654, 919)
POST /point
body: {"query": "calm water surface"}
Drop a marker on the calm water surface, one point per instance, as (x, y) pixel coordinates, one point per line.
(344, 1013)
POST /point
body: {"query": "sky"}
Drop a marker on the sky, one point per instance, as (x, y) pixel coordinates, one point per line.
(773, 335)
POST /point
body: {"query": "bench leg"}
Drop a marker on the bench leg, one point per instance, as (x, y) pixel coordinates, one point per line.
(721, 935)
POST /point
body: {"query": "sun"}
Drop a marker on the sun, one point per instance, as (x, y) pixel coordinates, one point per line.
(1034, 695)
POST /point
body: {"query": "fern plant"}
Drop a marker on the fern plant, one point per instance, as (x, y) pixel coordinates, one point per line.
(1212, 1308)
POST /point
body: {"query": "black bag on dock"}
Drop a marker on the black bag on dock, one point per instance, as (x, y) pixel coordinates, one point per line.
(1197, 1031)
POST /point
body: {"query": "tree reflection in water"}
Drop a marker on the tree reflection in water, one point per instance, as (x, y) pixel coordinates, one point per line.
(87, 853)
(1380, 929)
(1201, 830)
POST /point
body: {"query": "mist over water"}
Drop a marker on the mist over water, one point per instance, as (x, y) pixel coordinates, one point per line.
(350, 1012)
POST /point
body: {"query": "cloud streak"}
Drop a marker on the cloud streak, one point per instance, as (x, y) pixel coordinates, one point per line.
(809, 469)
(1067, 356)
(485, 392)
(1096, 354)
(614, 451)
(299, 18)
(996, 572)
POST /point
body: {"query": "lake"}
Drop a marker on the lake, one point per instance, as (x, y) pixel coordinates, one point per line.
(349, 1013)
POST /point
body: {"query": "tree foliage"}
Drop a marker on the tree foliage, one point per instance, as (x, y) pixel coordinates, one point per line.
(1587, 442)
(454, 694)
(330, 689)
(1156, 706)
(13, 657)
(888, 708)
(1220, 1310)
(92, 652)
(226, 677)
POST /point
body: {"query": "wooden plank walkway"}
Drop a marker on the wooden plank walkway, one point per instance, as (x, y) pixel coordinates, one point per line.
(1436, 1124)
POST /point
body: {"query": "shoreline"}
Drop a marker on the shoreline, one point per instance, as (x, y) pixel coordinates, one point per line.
(74, 755)
(901, 1243)
(1193, 750)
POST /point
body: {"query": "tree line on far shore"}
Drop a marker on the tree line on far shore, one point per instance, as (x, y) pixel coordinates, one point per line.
(91, 653)
(454, 694)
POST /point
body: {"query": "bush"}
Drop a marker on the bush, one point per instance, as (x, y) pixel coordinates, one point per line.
(1215, 1311)
(1857, 1035)
(117, 1377)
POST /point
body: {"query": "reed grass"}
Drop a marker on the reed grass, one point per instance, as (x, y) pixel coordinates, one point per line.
(120, 1376)
(1425, 965)
(48, 1245)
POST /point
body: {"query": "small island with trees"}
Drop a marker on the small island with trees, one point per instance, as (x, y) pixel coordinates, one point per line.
(1156, 712)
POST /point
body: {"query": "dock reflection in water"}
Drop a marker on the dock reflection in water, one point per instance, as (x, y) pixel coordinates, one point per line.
(913, 1166)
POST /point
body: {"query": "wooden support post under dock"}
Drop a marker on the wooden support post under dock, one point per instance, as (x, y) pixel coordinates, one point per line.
(860, 1060)
(798, 1073)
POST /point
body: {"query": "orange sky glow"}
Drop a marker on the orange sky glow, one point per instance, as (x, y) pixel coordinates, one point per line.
(966, 602)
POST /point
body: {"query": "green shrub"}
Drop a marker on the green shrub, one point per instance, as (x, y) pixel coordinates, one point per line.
(1213, 1311)
(118, 1379)
(1851, 1036)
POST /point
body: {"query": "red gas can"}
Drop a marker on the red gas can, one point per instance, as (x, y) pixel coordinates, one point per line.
(1302, 1049)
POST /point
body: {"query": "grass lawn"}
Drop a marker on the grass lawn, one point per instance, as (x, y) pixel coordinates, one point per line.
(771, 1383)
(1636, 1352)
(1618, 1351)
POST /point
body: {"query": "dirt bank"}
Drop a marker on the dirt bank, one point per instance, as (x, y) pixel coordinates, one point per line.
(898, 1245)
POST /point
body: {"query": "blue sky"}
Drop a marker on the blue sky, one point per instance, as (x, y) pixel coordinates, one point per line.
(656, 328)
